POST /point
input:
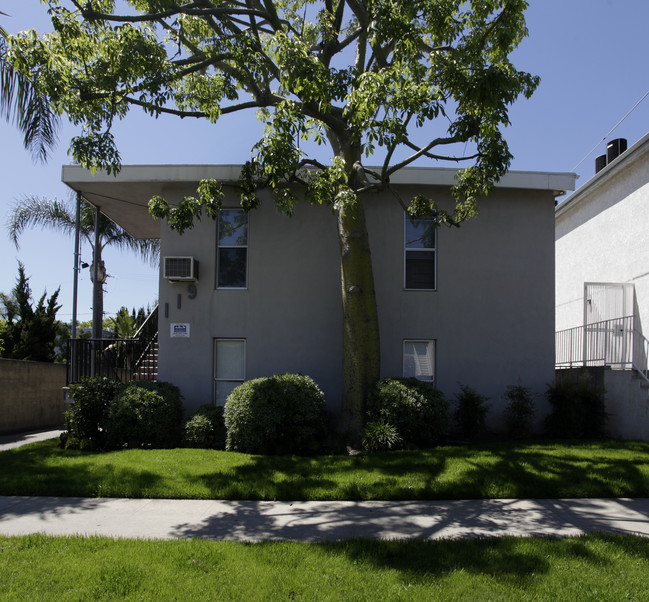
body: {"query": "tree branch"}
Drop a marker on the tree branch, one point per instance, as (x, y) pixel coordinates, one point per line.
(421, 152)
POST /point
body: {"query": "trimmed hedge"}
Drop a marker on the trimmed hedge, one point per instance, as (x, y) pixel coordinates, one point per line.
(145, 414)
(282, 414)
(85, 418)
(205, 428)
(416, 410)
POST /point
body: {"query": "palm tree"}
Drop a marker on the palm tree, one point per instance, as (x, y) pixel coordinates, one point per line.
(22, 104)
(53, 214)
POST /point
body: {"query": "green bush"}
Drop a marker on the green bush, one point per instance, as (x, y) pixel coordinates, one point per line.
(417, 410)
(205, 428)
(519, 412)
(145, 414)
(380, 436)
(470, 413)
(578, 410)
(276, 415)
(85, 418)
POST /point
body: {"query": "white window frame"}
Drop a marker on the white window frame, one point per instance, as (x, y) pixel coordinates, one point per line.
(407, 250)
(433, 344)
(222, 379)
(220, 246)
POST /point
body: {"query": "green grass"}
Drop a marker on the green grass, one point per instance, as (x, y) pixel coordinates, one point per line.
(594, 567)
(495, 470)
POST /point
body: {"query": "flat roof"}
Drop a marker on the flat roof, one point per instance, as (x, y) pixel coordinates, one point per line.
(124, 197)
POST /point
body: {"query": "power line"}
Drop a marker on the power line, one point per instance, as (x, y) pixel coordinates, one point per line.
(612, 130)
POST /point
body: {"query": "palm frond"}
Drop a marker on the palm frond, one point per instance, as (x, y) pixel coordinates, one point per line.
(23, 104)
(147, 249)
(44, 213)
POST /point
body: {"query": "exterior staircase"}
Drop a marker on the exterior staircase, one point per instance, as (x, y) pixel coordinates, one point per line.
(119, 359)
(147, 368)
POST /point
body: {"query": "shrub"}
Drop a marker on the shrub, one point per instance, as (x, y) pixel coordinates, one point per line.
(519, 412)
(85, 418)
(379, 436)
(470, 413)
(205, 428)
(145, 414)
(417, 410)
(276, 415)
(578, 410)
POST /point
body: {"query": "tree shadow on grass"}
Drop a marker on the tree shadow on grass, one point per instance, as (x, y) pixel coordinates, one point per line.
(529, 472)
(328, 478)
(45, 470)
(596, 469)
(513, 561)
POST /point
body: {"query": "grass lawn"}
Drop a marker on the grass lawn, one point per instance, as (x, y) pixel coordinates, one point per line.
(594, 567)
(495, 470)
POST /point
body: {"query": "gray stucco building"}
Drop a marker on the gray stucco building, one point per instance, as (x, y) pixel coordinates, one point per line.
(473, 305)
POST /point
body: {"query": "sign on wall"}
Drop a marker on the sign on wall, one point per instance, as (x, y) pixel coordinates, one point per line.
(179, 331)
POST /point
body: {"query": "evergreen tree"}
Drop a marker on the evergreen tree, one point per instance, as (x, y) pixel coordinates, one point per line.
(29, 332)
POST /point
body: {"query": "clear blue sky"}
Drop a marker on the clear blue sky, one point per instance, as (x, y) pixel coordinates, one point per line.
(591, 56)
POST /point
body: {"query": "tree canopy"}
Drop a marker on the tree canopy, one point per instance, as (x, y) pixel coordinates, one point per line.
(373, 78)
(380, 81)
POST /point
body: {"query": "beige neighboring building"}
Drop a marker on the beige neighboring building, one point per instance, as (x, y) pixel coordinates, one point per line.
(602, 282)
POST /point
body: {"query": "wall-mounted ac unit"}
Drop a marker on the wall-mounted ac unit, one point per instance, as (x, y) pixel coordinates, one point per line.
(182, 269)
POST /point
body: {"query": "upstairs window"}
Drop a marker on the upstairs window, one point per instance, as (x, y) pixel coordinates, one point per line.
(232, 251)
(420, 253)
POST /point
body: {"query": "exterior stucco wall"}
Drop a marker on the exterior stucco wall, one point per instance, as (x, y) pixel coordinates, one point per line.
(604, 237)
(290, 314)
(492, 315)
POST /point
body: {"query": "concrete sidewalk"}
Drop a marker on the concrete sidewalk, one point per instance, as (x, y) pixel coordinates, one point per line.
(319, 521)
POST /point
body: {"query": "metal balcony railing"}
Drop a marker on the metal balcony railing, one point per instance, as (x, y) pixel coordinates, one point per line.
(616, 343)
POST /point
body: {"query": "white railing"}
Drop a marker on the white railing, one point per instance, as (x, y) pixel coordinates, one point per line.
(616, 343)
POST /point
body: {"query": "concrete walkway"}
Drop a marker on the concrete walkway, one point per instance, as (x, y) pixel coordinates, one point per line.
(312, 521)
(13, 441)
(318, 521)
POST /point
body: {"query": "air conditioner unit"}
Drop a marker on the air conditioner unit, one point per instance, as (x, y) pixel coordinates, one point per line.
(181, 269)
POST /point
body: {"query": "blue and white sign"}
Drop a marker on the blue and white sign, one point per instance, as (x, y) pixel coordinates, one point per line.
(179, 331)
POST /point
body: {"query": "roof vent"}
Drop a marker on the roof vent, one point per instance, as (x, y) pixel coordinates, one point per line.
(614, 149)
(180, 269)
(600, 163)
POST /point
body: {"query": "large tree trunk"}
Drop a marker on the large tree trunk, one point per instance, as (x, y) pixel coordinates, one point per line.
(361, 346)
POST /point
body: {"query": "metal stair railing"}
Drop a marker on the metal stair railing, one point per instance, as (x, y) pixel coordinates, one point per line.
(147, 334)
(119, 359)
